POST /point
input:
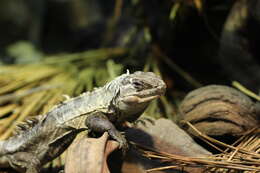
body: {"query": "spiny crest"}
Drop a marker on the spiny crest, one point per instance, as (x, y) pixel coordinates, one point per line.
(114, 85)
(69, 99)
(27, 124)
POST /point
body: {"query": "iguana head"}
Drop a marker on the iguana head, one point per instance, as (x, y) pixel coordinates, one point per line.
(134, 93)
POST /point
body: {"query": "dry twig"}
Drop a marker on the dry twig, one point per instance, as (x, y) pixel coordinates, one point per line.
(242, 157)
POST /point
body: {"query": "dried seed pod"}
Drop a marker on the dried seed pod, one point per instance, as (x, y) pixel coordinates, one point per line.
(218, 110)
(89, 154)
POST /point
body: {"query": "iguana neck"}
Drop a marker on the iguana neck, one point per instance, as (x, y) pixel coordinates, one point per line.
(98, 100)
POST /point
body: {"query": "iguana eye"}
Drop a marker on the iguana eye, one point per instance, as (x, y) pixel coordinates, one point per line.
(138, 85)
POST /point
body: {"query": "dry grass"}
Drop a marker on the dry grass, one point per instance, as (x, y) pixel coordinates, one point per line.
(243, 155)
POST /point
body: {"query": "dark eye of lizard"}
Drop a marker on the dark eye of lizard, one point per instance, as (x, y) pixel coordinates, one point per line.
(138, 85)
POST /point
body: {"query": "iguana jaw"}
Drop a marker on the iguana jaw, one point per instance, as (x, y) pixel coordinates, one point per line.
(144, 96)
(136, 99)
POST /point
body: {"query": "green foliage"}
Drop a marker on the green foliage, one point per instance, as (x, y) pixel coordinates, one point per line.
(24, 52)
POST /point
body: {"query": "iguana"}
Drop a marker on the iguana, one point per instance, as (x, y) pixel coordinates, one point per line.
(45, 137)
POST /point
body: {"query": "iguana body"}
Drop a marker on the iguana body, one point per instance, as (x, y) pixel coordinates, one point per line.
(44, 138)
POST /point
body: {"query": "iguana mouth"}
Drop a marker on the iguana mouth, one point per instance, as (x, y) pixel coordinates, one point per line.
(147, 99)
(144, 96)
(150, 93)
(137, 100)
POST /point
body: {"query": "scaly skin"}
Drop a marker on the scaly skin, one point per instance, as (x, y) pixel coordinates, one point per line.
(44, 138)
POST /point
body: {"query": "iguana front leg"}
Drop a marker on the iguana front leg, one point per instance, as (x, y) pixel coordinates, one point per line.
(98, 122)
